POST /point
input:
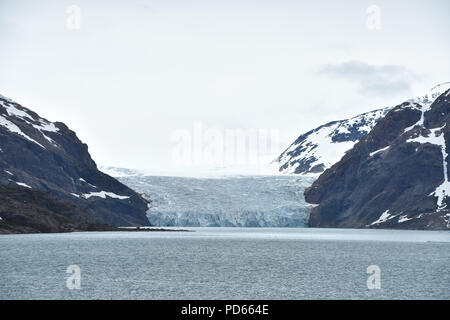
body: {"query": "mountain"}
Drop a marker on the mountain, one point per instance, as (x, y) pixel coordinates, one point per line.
(24, 210)
(318, 149)
(394, 177)
(47, 157)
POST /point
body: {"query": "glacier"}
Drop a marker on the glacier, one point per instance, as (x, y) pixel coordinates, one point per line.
(231, 201)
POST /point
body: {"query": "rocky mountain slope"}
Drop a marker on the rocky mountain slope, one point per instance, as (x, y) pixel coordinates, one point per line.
(318, 149)
(396, 176)
(48, 157)
(24, 210)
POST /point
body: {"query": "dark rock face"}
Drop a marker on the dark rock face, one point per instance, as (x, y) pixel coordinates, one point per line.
(319, 149)
(23, 210)
(395, 177)
(45, 156)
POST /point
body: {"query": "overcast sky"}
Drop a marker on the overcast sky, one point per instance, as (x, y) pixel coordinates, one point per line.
(133, 73)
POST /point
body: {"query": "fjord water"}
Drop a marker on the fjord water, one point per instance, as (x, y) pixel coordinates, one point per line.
(227, 263)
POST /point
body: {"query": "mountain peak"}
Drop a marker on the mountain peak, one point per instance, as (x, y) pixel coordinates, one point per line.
(395, 177)
(317, 150)
(427, 99)
(48, 157)
(440, 88)
(5, 98)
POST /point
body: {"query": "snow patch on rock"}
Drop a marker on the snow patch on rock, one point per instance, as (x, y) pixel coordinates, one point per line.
(104, 194)
(378, 151)
(15, 129)
(436, 137)
(403, 218)
(385, 216)
(24, 185)
(13, 111)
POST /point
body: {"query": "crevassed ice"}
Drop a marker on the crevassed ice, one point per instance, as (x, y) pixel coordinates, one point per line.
(239, 201)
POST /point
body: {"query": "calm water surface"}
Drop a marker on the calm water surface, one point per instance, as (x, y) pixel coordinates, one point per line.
(227, 263)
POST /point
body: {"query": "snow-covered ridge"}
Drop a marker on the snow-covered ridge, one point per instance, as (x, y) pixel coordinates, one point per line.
(426, 100)
(424, 103)
(13, 116)
(10, 126)
(318, 149)
(5, 98)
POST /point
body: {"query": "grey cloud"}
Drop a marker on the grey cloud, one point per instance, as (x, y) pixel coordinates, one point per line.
(385, 80)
